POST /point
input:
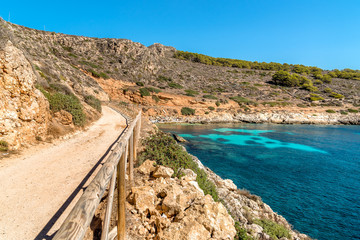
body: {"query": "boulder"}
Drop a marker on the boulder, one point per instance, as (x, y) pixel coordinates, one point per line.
(147, 167)
(162, 171)
(143, 198)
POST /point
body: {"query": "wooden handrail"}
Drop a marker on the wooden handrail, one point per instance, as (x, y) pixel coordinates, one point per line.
(80, 217)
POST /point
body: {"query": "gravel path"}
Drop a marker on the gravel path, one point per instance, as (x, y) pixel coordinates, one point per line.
(37, 186)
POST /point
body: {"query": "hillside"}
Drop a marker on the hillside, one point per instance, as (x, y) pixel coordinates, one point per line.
(75, 73)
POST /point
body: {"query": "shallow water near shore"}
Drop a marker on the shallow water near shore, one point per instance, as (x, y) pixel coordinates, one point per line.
(309, 174)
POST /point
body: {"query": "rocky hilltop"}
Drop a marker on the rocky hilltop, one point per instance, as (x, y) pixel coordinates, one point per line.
(39, 70)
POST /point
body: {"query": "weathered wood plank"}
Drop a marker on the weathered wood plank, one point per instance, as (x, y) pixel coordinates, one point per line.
(79, 219)
(110, 200)
(131, 160)
(121, 223)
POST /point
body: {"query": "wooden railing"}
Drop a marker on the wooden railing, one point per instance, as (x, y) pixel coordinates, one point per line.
(114, 169)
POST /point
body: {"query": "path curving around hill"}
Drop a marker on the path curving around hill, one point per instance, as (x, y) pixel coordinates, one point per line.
(39, 187)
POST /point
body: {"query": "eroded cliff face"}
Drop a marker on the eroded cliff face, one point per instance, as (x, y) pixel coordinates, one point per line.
(169, 208)
(24, 110)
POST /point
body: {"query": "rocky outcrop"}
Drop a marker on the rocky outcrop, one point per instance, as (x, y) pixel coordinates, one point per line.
(283, 117)
(24, 110)
(245, 207)
(172, 208)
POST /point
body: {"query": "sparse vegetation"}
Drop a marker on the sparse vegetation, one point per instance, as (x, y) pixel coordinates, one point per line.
(350, 110)
(336, 95)
(274, 230)
(70, 103)
(191, 93)
(315, 97)
(241, 233)
(330, 111)
(187, 111)
(163, 149)
(144, 92)
(154, 90)
(93, 102)
(4, 146)
(210, 97)
(211, 108)
(175, 85)
(241, 100)
(140, 84)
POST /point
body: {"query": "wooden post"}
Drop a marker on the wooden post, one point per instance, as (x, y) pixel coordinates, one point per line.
(122, 195)
(136, 137)
(110, 199)
(131, 159)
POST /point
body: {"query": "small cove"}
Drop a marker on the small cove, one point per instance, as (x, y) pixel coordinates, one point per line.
(309, 174)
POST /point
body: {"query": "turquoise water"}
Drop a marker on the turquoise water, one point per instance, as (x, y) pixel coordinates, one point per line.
(309, 174)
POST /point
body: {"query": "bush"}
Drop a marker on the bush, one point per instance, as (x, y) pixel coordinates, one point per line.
(352, 110)
(4, 146)
(327, 90)
(342, 112)
(175, 85)
(163, 149)
(164, 79)
(336, 95)
(187, 111)
(211, 108)
(241, 100)
(156, 98)
(104, 75)
(191, 93)
(274, 230)
(315, 97)
(241, 233)
(210, 97)
(330, 111)
(94, 73)
(93, 102)
(326, 78)
(217, 103)
(152, 89)
(318, 82)
(144, 92)
(286, 79)
(140, 84)
(69, 103)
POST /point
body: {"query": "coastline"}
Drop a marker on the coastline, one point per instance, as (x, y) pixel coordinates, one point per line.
(276, 117)
(244, 207)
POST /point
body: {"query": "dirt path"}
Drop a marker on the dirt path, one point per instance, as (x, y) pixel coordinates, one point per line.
(36, 184)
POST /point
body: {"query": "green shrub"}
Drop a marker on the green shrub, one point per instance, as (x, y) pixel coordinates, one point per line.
(336, 95)
(191, 93)
(241, 100)
(241, 233)
(164, 79)
(326, 78)
(328, 90)
(175, 85)
(156, 98)
(69, 103)
(273, 229)
(286, 79)
(187, 111)
(144, 92)
(315, 97)
(210, 97)
(89, 64)
(352, 110)
(140, 84)
(152, 89)
(104, 75)
(343, 112)
(217, 103)
(330, 111)
(93, 73)
(4, 146)
(211, 108)
(318, 82)
(93, 102)
(206, 112)
(163, 149)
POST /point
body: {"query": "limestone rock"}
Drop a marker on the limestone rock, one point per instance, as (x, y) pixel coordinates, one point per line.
(147, 167)
(24, 110)
(143, 198)
(162, 171)
(63, 117)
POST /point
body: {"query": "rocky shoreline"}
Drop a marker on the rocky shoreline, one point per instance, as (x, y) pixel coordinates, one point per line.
(277, 117)
(245, 207)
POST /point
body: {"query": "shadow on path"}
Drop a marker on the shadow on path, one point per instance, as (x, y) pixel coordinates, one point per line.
(43, 234)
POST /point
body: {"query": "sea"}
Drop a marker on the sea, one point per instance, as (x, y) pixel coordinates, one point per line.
(309, 174)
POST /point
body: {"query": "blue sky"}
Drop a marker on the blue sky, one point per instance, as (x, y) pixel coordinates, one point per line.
(316, 33)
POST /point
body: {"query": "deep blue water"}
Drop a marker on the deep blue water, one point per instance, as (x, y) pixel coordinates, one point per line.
(309, 174)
